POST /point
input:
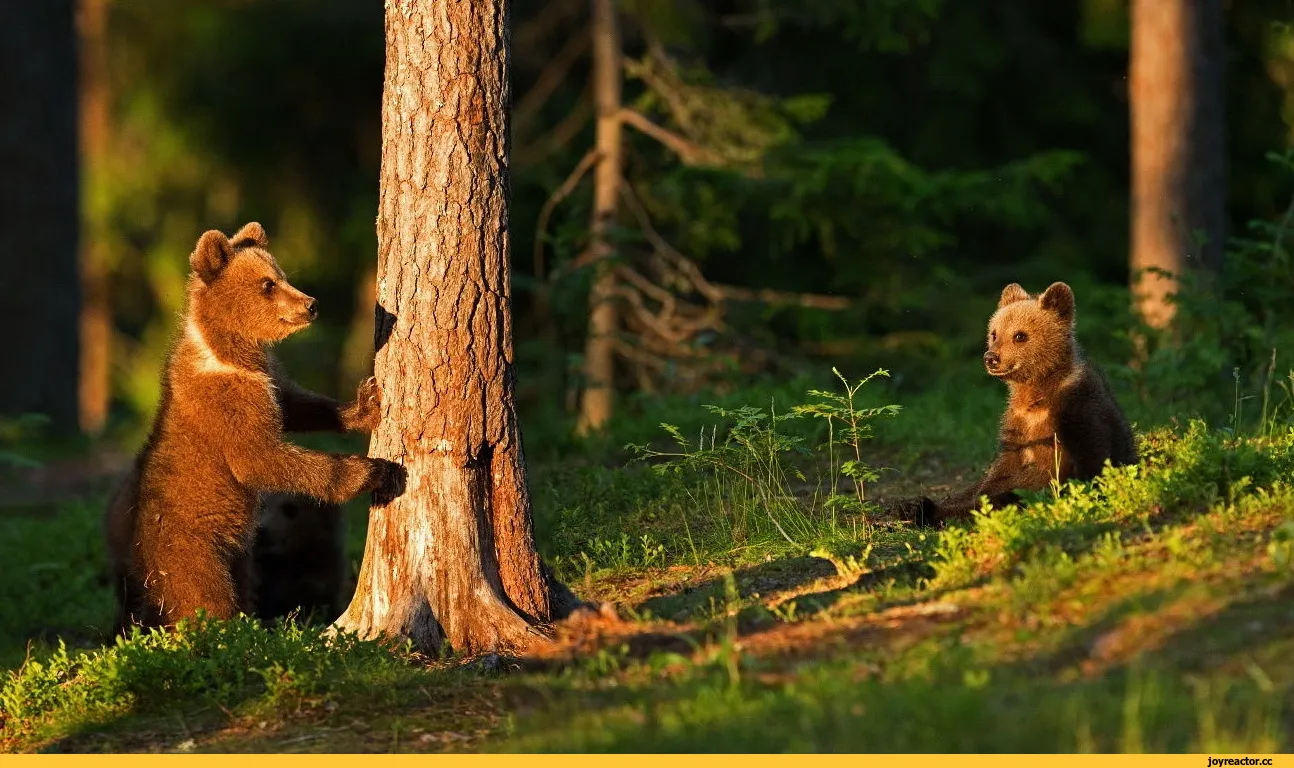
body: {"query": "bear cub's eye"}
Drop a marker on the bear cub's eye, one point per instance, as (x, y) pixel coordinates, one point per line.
(992, 335)
(1021, 337)
(267, 286)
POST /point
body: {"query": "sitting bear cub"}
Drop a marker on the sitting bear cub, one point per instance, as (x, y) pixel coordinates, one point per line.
(1061, 420)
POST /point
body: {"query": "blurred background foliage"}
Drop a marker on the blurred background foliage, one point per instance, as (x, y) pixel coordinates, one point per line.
(911, 156)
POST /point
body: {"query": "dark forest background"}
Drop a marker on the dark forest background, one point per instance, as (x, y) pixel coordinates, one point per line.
(877, 169)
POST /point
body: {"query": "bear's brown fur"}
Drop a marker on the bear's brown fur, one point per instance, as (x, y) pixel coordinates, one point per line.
(181, 528)
(1061, 420)
(299, 559)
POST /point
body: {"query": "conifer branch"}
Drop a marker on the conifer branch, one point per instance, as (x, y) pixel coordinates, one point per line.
(689, 152)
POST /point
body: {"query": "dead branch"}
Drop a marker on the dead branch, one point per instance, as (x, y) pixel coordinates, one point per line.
(547, 82)
(561, 193)
(769, 296)
(630, 353)
(530, 34)
(689, 152)
(555, 139)
(717, 292)
(664, 248)
(666, 299)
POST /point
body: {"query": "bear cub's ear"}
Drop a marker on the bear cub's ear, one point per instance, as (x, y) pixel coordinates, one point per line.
(1059, 298)
(211, 255)
(251, 235)
(1011, 294)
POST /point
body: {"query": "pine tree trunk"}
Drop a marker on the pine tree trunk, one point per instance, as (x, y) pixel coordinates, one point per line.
(95, 390)
(596, 402)
(453, 559)
(39, 289)
(1179, 166)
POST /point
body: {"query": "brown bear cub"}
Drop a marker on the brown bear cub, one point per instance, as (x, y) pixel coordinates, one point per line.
(1061, 420)
(180, 530)
(299, 559)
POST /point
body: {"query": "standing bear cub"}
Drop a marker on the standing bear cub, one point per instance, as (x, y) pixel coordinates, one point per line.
(181, 528)
(1061, 420)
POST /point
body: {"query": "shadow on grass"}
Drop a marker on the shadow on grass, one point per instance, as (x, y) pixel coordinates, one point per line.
(291, 695)
(928, 693)
(935, 697)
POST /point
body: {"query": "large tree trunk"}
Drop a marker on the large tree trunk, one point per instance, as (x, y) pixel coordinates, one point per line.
(39, 291)
(1179, 165)
(95, 391)
(599, 347)
(453, 559)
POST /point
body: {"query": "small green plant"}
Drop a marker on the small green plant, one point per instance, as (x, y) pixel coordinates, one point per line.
(848, 425)
(758, 475)
(623, 553)
(787, 612)
(729, 647)
(847, 565)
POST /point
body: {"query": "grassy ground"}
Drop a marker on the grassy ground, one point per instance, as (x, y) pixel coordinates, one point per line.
(763, 604)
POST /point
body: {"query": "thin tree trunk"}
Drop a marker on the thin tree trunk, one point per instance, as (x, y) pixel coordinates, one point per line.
(596, 402)
(39, 289)
(453, 559)
(95, 391)
(1178, 146)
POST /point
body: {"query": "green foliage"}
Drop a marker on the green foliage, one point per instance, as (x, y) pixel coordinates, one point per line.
(233, 663)
(614, 555)
(844, 707)
(14, 432)
(1224, 359)
(888, 26)
(1178, 473)
(863, 196)
(752, 474)
(53, 577)
(848, 425)
(985, 626)
(1281, 547)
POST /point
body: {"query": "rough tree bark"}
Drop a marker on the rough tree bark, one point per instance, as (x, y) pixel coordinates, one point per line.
(453, 559)
(1179, 167)
(39, 291)
(94, 388)
(596, 400)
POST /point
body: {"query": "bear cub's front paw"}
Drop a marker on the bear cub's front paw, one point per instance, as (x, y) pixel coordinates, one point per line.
(919, 511)
(365, 412)
(388, 480)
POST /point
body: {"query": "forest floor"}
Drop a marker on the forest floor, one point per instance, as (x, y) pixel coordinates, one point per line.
(1152, 610)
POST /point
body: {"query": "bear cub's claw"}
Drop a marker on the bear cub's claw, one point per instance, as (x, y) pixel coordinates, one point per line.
(364, 414)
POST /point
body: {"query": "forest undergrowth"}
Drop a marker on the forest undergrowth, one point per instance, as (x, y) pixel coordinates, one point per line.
(765, 600)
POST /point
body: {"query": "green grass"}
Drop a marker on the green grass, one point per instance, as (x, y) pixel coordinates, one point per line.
(769, 607)
(53, 578)
(1080, 624)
